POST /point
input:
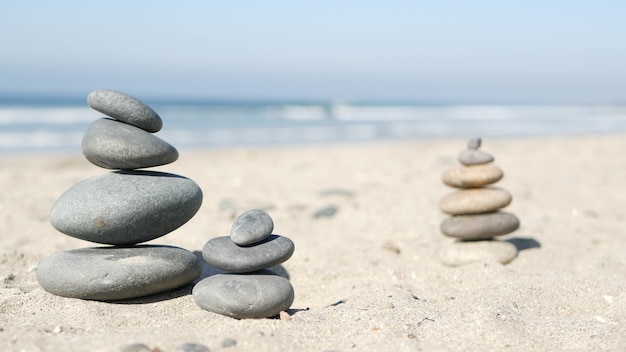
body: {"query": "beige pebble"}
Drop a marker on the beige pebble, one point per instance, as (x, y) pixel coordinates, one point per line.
(475, 201)
(472, 176)
(462, 253)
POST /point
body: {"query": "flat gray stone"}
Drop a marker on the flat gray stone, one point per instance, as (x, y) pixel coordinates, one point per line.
(463, 253)
(224, 254)
(243, 296)
(475, 157)
(480, 226)
(475, 201)
(125, 108)
(126, 207)
(114, 273)
(472, 176)
(251, 227)
(116, 145)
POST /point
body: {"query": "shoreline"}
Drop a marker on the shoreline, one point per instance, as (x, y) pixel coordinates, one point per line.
(367, 277)
(76, 150)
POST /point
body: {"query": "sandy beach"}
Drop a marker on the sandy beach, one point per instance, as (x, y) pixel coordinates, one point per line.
(367, 278)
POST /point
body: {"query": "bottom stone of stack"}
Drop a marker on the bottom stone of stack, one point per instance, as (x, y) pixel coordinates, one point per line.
(466, 252)
(260, 294)
(115, 273)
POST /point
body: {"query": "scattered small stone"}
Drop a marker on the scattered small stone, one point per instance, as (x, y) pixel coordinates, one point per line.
(228, 342)
(258, 295)
(192, 347)
(112, 144)
(125, 108)
(392, 248)
(284, 316)
(136, 347)
(325, 212)
(222, 253)
(253, 226)
(467, 252)
(109, 273)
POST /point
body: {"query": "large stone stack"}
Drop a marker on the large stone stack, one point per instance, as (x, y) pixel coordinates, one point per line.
(121, 209)
(475, 209)
(247, 288)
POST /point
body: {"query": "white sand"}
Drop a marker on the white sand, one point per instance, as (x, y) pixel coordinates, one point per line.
(377, 255)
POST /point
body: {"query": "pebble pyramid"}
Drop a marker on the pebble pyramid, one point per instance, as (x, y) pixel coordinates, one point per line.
(246, 289)
(122, 209)
(475, 210)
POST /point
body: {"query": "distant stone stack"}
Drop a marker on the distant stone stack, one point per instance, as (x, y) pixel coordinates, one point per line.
(476, 218)
(121, 209)
(247, 289)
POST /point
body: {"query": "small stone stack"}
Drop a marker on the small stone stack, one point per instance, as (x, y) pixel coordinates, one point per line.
(475, 211)
(247, 289)
(121, 209)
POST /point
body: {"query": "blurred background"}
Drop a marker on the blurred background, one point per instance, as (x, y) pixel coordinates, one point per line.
(280, 72)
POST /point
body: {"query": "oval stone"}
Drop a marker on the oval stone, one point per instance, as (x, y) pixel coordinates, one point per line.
(126, 207)
(473, 157)
(114, 273)
(472, 176)
(475, 201)
(258, 295)
(480, 226)
(112, 144)
(252, 226)
(462, 253)
(125, 108)
(224, 254)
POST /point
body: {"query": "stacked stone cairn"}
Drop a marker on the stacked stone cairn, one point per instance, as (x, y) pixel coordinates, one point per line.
(246, 288)
(122, 209)
(476, 218)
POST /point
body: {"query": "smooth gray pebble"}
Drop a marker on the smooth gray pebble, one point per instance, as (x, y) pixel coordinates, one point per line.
(112, 144)
(223, 253)
(125, 108)
(126, 207)
(115, 273)
(253, 226)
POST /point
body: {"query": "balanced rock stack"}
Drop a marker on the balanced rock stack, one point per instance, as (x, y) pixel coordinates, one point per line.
(121, 209)
(246, 289)
(475, 211)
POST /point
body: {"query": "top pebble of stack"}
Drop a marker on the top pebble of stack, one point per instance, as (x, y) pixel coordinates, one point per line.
(251, 227)
(125, 108)
(473, 156)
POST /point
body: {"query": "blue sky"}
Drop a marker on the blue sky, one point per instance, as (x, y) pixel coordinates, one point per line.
(434, 51)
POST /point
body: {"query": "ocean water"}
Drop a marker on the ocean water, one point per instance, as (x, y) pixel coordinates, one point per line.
(40, 125)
